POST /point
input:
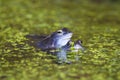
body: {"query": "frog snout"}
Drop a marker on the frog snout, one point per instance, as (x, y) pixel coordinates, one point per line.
(62, 40)
(70, 34)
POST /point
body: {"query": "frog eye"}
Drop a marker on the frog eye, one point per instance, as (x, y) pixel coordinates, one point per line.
(59, 31)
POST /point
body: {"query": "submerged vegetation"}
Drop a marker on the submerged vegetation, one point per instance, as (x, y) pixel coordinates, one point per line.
(96, 23)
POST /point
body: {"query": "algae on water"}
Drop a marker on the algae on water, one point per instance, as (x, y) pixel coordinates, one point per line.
(96, 23)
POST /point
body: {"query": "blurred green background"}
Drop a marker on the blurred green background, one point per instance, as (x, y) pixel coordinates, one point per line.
(95, 22)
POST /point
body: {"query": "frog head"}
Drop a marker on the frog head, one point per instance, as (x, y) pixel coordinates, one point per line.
(56, 40)
(61, 37)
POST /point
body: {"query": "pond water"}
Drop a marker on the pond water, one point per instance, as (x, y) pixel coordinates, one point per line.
(96, 23)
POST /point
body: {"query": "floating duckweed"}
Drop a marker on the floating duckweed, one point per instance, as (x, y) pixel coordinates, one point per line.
(97, 25)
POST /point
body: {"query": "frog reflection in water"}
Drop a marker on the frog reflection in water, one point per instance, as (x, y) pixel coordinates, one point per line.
(59, 41)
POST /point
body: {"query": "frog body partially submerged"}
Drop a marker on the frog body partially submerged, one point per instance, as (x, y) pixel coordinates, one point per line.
(59, 41)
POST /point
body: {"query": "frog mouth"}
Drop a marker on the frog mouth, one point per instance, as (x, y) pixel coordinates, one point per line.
(67, 39)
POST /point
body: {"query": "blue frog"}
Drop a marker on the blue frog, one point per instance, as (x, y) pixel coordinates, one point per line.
(60, 42)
